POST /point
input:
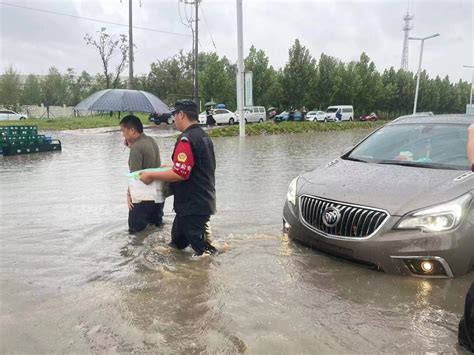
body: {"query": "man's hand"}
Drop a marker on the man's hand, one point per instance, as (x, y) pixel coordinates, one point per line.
(146, 177)
(129, 200)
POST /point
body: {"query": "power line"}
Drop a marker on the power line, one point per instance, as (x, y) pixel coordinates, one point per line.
(208, 29)
(92, 19)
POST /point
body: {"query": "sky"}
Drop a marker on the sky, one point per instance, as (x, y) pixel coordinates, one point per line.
(34, 37)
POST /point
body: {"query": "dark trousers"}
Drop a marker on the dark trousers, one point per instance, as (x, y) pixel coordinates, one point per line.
(466, 325)
(194, 230)
(144, 213)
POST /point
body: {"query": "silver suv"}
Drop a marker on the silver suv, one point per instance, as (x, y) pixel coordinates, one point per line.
(401, 200)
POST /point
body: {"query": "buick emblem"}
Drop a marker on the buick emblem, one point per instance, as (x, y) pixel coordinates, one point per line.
(331, 216)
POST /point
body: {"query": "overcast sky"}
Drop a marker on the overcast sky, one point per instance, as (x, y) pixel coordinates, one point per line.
(32, 41)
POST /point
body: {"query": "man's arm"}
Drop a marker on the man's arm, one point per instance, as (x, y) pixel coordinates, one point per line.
(470, 144)
(183, 163)
(135, 159)
(169, 175)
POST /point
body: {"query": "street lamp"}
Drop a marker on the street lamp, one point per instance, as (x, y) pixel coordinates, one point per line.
(419, 65)
(472, 84)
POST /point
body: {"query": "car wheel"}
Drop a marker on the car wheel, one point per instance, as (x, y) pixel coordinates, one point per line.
(169, 120)
(231, 121)
(260, 120)
(350, 118)
(246, 121)
(325, 120)
(157, 123)
(22, 118)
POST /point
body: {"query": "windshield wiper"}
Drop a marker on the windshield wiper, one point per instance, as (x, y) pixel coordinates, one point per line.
(417, 164)
(355, 159)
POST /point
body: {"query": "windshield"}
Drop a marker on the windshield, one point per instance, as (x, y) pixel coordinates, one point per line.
(440, 146)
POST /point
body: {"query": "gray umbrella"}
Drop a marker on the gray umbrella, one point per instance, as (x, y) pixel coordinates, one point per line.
(122, 100)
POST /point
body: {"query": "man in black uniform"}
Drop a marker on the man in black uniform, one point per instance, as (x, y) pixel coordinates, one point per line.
(193, 181)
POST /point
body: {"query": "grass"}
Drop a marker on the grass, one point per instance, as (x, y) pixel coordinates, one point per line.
(268, 128)
(65, 123)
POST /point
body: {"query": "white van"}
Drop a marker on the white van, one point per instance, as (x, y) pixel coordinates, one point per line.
(254, 114)
(340, 113)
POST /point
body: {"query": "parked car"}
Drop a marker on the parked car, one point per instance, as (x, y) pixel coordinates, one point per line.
(401, 200)
(428, 113)
(289, 116)
(9, 115)
(161, 118)
(340, 113)
(253, 114)
(370, 117)
(316, 116)
(221, 115)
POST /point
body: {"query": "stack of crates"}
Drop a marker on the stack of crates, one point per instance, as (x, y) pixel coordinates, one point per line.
(23, 139)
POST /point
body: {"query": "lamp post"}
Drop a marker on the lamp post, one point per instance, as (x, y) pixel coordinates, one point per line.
(419, 65)
(472, 84)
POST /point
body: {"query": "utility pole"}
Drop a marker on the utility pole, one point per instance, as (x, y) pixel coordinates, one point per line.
(472, 84)
(419, 65)
(196, 52)
(195, 44)
(240, 70)
(130, 47)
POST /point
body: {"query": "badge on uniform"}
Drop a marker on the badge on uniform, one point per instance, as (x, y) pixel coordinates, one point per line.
(182, 157)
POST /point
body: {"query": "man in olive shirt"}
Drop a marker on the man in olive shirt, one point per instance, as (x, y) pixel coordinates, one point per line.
(144, 154)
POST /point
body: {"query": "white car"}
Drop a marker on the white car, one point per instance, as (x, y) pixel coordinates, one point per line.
(316, 116)
(8, 115)
(221, 115)
(255, 114)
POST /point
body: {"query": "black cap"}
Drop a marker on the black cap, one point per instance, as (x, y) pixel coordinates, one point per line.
(185, 105)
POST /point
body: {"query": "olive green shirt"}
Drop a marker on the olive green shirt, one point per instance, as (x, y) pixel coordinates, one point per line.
(144, 154)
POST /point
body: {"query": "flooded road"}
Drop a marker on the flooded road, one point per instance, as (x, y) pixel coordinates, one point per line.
(74, 281)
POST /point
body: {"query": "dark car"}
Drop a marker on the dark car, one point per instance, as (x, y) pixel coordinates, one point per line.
(402, 200)
(289, 116)
(370, 117)
(161, 118)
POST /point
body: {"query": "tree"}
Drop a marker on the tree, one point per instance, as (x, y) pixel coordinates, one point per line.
(215, 81)
(31, 94)
(328, 83)
(171, 79)
(298, 75)
(108, 48)
(10, 88)
(54, 89)
(257, 63)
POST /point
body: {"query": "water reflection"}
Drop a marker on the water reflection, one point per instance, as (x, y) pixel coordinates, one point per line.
(67, 259)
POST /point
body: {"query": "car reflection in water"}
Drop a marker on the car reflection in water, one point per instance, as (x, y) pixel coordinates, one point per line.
(400, 200)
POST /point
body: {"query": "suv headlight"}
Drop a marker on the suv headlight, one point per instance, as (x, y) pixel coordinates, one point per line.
(439, 218)
(291, 195)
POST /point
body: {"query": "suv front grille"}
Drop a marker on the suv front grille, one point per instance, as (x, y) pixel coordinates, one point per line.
(353, 221)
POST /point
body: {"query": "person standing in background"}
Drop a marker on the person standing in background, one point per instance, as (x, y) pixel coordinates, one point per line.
(144, 154)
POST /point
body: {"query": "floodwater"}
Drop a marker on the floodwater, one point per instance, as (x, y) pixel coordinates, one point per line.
(74, 281)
